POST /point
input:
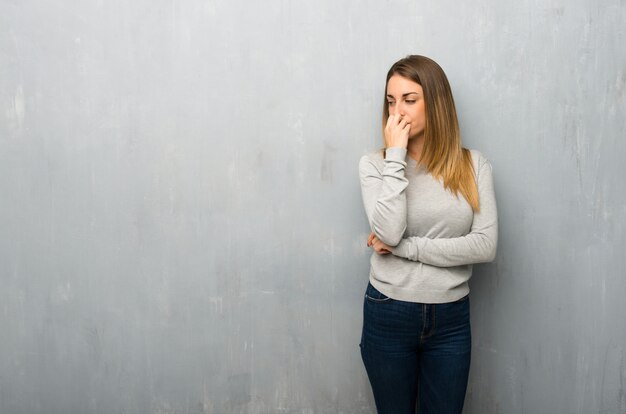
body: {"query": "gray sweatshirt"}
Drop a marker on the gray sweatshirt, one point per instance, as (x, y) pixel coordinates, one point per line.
(436, 237)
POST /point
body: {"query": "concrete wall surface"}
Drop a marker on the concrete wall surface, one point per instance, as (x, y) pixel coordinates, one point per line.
(181, 227)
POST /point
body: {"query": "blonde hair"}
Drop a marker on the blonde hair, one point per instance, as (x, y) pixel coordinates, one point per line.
(442, 154)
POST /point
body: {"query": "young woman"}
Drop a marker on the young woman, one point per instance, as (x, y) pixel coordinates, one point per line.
(432, 213)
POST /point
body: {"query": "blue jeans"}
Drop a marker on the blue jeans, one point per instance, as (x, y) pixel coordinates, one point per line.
(417, 356)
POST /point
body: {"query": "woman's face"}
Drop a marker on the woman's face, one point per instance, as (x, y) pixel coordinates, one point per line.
(406, 98)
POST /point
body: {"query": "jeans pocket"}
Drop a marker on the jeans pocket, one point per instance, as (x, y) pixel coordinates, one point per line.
(373, 295)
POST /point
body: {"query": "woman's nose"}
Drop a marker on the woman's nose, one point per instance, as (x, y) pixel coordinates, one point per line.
(397, 111)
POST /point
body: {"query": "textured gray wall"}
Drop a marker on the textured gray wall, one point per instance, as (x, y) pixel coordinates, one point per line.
(181, 229)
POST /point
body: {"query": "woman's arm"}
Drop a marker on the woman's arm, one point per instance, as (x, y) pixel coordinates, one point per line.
(384, 195)
(478, 246)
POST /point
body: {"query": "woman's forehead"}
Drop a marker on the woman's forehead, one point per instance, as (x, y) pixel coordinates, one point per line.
(402, 86)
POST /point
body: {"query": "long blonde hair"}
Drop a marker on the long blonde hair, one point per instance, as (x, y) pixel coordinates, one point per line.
(442, 154)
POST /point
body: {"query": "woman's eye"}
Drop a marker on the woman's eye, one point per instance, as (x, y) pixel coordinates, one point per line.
(390, 103)
(410, 101)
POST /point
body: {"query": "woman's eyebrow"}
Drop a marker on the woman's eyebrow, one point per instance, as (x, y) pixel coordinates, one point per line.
(404, 94)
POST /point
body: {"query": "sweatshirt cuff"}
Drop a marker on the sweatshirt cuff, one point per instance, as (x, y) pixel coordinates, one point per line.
(402, 249)
(395, 154)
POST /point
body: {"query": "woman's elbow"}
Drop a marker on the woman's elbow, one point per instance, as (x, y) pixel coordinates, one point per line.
(490, 251)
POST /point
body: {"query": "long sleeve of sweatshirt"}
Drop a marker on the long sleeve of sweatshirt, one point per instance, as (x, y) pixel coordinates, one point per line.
(384, 198)
(478, 246)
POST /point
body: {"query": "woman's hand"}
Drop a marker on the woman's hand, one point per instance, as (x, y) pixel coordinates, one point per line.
(397, 132)
(377, 245)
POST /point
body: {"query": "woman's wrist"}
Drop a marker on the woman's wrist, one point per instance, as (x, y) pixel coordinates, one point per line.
(395, 153)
